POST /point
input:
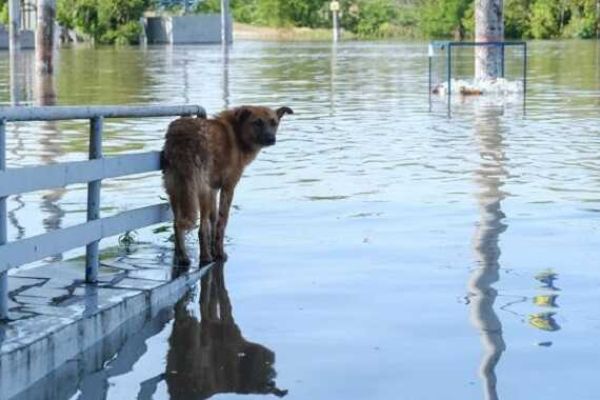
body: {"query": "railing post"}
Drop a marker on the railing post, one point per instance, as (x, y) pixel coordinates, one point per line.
(3, 228)
(92, 256)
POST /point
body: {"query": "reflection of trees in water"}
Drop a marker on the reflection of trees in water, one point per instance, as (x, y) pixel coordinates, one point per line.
(104, 75)
(211, 356)
(482, 296)
(21, 67)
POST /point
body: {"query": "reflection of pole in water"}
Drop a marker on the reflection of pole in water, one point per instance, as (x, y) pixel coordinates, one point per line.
(45, 95)
(226, 93)
(332, 79)
(489, 177)
(186, 80)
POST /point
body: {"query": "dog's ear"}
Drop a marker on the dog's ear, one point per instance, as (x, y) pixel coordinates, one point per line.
(242, 114)
(281, 111)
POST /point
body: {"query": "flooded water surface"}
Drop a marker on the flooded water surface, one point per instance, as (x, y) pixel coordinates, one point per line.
(380, 250)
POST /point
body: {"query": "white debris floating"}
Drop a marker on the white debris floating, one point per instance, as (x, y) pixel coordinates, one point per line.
(496, 87)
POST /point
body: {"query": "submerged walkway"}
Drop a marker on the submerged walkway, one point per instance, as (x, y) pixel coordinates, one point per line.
(56, 318)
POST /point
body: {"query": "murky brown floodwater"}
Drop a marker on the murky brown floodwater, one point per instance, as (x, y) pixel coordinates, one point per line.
(380, 250)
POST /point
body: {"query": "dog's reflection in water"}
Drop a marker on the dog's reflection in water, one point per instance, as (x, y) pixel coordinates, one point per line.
(210, 356)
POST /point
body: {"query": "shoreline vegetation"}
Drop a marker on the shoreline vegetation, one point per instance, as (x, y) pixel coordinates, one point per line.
(252, 32)
(118, 21)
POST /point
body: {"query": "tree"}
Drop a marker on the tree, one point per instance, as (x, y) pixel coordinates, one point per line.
(443, 18)
(545, 19)
(105, 21)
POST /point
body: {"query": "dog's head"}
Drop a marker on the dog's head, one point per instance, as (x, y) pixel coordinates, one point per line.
(257, 126)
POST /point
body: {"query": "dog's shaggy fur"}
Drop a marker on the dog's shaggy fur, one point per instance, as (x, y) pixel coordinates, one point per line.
(203, 157)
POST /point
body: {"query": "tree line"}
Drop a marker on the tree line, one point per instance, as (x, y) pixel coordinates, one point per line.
(537, 19)
(117, 21)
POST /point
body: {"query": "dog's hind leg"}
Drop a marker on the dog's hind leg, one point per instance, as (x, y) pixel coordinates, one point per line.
(204, 234)
(181, 257)
(213, 218)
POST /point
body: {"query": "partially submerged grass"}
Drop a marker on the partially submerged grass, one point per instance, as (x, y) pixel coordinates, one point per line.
(251, 32)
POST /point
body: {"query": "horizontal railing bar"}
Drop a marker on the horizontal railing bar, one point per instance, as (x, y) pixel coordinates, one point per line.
(30, 179)
(439, 43)
(14, 254)
(59, 113)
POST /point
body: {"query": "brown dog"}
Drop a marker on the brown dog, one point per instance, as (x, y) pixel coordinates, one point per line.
(204, 156)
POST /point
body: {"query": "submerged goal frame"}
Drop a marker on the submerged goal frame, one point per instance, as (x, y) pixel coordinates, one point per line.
(437, 45)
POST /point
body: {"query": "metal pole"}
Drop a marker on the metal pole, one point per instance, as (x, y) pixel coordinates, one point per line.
(3, 228)
(14, 45)
(14, 24)
(225, 22)
(336, 26)
(334, 7)
(429, 84)
(92, 256)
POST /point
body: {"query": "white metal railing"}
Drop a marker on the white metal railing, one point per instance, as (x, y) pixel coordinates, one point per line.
(93, 171)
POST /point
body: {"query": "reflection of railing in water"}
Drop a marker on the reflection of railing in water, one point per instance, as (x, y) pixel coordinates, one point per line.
(210, 356)
(29, 179)
(482, 295)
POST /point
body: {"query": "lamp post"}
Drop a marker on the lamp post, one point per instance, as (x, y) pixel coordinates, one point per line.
(334, 6)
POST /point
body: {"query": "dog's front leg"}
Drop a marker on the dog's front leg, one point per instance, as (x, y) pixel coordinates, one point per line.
(224, 205)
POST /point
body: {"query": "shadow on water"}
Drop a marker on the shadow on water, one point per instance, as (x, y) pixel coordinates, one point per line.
(490, 178)
(210, 356)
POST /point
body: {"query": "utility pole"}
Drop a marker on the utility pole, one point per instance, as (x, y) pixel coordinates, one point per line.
(489, 27)
(334, 6)
(44, 36)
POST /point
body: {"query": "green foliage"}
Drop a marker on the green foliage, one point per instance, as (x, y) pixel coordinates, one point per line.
(306, 13)
(516, 18)
(443, 18)
(4, 12)
(544, 19)
(584, 21)
(105, 21)
(116, 21)
(376, 19)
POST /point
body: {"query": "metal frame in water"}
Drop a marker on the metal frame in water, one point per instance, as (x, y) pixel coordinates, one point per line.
(93, 171)
(446, 44)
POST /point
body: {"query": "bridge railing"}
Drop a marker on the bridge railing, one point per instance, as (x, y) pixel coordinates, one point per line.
(93, 171)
